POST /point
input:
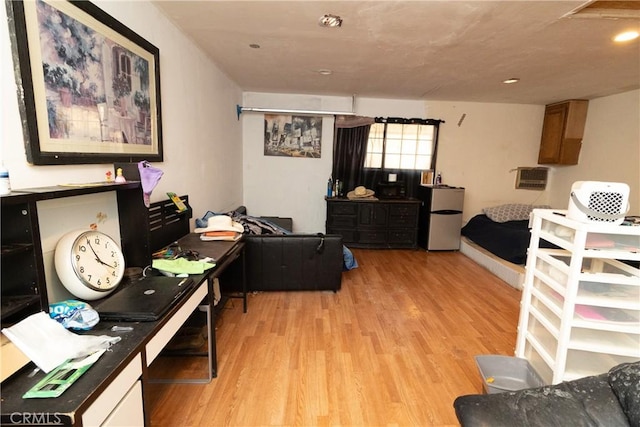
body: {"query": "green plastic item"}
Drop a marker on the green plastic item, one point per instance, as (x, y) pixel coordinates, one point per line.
(62, 377)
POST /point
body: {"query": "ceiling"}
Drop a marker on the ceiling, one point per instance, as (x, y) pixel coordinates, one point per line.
(433, 50)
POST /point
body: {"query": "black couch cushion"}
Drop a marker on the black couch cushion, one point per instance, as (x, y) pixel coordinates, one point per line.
(585, 402)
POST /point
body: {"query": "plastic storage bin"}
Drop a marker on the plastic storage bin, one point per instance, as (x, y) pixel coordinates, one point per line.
(506, 373)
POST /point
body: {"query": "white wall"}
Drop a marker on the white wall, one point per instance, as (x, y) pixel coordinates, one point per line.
(286, 186)
(477, 155)
(610, 149)
(481, 150)
(295, 187)
(202, 136)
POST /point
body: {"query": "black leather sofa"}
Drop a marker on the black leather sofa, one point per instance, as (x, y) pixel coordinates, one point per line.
(610, 399)
(288, 262)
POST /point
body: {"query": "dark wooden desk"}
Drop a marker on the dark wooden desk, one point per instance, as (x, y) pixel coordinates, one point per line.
(100, 391)
(224, 253)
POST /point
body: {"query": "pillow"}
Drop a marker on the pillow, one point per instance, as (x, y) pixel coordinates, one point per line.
(511, 212)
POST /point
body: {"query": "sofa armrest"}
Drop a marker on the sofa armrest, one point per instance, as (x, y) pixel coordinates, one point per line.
(589, 401)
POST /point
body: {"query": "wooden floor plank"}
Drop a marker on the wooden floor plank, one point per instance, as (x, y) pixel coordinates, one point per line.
(394, 347)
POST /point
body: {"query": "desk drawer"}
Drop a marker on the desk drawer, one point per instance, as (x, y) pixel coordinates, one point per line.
(115, 392)
(160, 340)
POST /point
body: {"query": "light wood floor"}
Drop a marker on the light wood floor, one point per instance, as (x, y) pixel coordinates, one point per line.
(394, 347)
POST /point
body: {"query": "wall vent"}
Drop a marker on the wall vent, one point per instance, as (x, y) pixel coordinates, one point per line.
(532, 178)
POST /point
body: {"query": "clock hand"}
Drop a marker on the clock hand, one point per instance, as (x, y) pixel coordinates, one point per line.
(96, 255)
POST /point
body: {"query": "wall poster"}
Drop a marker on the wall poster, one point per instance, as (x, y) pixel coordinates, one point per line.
(292, 136)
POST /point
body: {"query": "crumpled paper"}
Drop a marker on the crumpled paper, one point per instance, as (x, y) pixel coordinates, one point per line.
(48, 344)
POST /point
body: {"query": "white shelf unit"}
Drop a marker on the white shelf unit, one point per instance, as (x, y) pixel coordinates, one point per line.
(580, 307)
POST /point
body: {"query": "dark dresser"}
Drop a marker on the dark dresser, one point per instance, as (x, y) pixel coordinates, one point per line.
(374, 223)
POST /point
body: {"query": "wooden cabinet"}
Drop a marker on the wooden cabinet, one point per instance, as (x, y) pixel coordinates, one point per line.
(562, 132)
(374, 223)
(580, 310)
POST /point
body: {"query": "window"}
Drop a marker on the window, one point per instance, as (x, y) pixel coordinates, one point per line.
(402, 144)
(122, 64)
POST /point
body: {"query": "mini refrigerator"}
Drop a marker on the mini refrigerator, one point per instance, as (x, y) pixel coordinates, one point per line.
(440, 218)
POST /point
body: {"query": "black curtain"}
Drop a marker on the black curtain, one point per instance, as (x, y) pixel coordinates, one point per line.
(349, 150)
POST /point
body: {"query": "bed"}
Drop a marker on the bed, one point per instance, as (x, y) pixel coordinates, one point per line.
(508, 240)
(498, 239)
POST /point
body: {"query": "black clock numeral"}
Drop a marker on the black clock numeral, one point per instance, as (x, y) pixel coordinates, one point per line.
(97, 240)
(82, 248)
(106, 279)
(99, 282)
(89, 276)
(81, 269)
(77, 257)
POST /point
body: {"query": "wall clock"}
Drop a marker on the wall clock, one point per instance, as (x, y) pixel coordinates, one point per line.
(89, 263)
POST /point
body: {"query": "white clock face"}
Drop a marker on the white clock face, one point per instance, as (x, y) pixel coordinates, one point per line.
(97, 261)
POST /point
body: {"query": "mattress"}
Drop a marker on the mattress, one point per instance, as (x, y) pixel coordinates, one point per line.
(507, 240)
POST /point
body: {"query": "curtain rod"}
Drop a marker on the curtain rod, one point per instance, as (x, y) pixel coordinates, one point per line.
(240, 109)
(408, 121)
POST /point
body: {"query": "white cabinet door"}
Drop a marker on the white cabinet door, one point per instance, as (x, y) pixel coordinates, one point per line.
(129, 412)
(108, 401)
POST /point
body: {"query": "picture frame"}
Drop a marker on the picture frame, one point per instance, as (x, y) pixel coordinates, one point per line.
(88, 86)
(426, 177)
(293, 136)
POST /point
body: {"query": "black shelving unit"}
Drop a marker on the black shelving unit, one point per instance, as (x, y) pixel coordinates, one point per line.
(23, 287)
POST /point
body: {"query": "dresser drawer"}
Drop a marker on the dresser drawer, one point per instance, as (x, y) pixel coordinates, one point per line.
(348, 234)
(406, 237)
(409, 210)
(403, 221)
(372, 236)
(344, 208)
(342, 221)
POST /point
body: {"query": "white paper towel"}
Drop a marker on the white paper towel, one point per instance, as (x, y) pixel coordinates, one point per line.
(48, 344)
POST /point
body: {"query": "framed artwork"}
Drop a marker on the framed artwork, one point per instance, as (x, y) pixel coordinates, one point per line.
(292, 136)
(90, 86)
(426, 177)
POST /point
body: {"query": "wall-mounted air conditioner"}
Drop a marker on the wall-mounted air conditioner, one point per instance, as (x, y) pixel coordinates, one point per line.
(529, 178)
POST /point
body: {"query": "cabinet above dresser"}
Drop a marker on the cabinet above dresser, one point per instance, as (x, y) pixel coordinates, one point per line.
(374, 223)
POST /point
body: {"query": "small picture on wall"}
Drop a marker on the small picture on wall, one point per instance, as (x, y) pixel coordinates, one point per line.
(426, 177)
(292, 136)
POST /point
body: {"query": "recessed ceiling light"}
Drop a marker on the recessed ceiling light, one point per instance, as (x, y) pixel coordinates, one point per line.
(330, 21)
(511, 80)
(626, 36)
(254, 46)
(325, 72)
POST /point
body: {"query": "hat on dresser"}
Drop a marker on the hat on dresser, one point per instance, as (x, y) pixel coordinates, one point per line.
(220, 223)
(360, 192)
